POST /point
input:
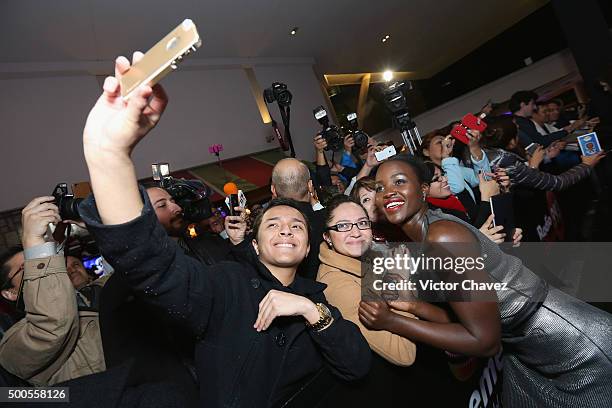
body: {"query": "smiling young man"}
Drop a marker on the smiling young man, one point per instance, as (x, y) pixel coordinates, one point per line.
(262, 331)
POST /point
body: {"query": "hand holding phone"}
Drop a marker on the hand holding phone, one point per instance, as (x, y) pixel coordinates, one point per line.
(384, 154)
(162, 58)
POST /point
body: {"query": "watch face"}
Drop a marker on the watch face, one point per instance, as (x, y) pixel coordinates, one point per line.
(325, 311)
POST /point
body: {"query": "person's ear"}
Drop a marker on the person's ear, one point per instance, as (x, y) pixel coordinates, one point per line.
(426, 152)
(9, 294)
(327, 239)
(310, 187)
(424, 190)
(255, 246)
(273, 191)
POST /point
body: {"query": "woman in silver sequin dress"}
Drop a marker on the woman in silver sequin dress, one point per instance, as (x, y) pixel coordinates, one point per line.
(557, 349)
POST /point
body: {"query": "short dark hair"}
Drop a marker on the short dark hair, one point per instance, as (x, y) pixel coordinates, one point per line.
(367, 182)
(335, 202)
(277, 202)
(521, 97)
(418, 166)
(431, 166)
(5, 257)
(426, 141)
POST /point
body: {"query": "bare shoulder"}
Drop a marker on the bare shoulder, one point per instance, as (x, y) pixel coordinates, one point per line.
(449, 231)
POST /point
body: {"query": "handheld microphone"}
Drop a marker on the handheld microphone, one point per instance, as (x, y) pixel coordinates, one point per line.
(231, 190)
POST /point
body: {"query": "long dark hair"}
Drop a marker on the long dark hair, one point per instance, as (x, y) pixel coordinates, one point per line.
(501, 130)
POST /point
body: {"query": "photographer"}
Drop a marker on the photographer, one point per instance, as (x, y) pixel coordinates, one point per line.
(234, 309)
(345, 171)
(56, 341)
(207, 247)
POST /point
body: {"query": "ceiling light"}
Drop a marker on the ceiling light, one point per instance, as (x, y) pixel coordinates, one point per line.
(294, 30)
(384, 40)
(387, 75)
(387, 37)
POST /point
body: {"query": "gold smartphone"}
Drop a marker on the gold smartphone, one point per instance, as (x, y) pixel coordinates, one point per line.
(162, 58)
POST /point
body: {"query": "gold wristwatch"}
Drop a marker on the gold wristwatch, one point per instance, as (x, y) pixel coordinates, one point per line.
(325, 318)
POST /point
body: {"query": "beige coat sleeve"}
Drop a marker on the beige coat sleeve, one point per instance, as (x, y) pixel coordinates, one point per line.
(36, 346)
(345, 294)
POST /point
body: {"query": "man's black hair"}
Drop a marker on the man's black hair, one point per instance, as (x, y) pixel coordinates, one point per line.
(6, 256)
(521, 97)
(288, 202)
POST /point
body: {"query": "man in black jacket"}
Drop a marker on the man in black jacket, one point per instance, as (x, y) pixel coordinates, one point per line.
(262, 331)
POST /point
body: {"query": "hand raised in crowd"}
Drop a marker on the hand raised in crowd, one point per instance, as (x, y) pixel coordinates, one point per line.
(496, 233)
(349, 142)
(503, 179)
(447, 146)
(116, 125)
(593, 160)
(555, 148)
(517, 236)
(277, 303)
(320, 143)
(591, 123)
(488, 188)
(236, 225)
(375, 315)
(577, 124)
(35, 217)
(537, 157)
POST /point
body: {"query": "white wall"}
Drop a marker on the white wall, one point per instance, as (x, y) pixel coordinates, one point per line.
(43, 109)
(530, 77)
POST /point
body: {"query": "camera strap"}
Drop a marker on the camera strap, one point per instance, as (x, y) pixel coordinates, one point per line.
(286, 117)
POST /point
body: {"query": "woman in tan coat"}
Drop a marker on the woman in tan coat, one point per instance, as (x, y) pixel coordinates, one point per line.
(348, 235)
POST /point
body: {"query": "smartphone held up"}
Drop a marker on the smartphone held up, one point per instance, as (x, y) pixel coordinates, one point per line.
(162, 58)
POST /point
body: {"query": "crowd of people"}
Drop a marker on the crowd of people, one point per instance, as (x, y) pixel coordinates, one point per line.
(265, 307)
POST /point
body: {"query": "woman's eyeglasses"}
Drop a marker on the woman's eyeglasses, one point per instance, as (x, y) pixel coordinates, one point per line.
(347, 226)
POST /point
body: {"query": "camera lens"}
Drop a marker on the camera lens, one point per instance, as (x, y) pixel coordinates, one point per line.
(361, 139)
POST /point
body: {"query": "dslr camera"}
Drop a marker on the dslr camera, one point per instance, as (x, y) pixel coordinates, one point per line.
(330, 132)
(191, 195)
(359, 136)
(278, 92)
(66, 202)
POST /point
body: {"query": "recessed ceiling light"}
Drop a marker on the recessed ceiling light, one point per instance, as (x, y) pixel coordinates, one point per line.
(387, 37)
(294, 30)
(384, 40)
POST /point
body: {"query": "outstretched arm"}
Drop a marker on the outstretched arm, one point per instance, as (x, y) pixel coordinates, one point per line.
(113, 128)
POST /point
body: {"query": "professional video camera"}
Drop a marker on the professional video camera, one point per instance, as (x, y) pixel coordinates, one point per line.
(331, 133)
(394, 96)
(66, 202)
(359, 136)
(278, 92)
(191, 195)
